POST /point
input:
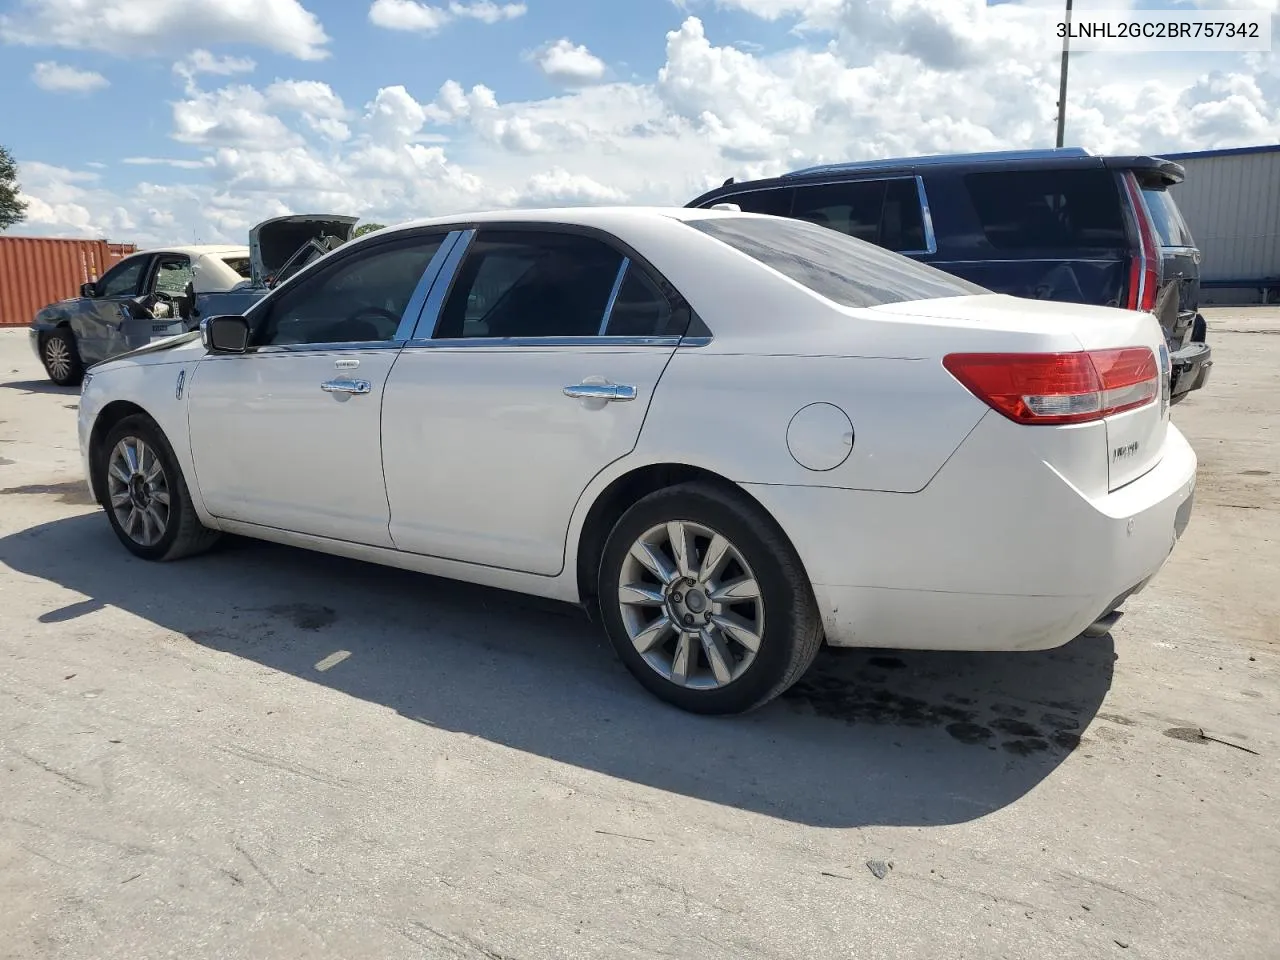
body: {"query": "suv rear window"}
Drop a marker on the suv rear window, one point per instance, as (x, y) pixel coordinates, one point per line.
(1170, 227)
(850, 272)
(1048, 209)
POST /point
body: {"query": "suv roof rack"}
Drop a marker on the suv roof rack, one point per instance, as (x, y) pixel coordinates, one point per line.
(995, 156)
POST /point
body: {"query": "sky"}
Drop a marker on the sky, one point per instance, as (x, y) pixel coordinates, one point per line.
(180, 121)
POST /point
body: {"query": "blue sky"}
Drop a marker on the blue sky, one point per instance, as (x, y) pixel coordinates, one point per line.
(163, 120)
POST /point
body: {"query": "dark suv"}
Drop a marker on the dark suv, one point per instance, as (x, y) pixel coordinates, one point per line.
(1046, 224)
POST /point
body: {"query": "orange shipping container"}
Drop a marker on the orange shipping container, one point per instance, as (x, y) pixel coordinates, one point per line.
(36, 271)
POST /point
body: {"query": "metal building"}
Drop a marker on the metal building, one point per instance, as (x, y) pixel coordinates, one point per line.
(1231, 201)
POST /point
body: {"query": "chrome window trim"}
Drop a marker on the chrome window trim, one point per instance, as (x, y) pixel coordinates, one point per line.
(280, 349)
(475, 343)
(930, 238)
(440, 286)
(613, 295)
(413, 309)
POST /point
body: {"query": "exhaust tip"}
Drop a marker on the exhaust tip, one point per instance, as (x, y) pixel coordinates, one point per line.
(1102, 626)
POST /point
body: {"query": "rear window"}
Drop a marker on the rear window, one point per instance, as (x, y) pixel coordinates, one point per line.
(850, 272)
(1048, 209)
(1170, 227)
(241, 265)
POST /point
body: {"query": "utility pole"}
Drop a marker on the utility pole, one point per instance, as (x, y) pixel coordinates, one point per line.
(1062, 82)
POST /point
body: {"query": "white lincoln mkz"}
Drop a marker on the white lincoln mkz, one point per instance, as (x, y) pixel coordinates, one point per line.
(730, 437)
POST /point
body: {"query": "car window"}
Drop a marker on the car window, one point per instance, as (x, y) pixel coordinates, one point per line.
(776, 203)
(172, 276)
(832, 264)
(358, 299)
(1048, 209)
(531, 284)
(122, 279)
(883, 212)
(641, 309)
(1170, 227)
(241, 265)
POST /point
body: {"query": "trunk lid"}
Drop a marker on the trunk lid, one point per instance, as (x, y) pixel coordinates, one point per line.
(1133, 440)
(282, 246)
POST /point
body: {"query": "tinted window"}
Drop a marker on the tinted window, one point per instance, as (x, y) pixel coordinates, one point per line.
(776, 203)
(529, 284)
(1048, 209)
(359, 299)
(122, 279)
(1170, 227)
(641, 309)
(884, 212)
(838, 267)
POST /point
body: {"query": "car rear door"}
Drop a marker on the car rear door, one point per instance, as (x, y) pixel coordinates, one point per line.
(528, 375)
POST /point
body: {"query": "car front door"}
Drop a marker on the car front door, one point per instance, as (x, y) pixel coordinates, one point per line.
(538, 373)
(101, 323)
(288, 434)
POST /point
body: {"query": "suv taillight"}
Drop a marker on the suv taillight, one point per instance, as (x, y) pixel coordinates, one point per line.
(1144, 269)
(1058, 388)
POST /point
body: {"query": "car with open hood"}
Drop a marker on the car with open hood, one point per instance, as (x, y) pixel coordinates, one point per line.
(162, 292)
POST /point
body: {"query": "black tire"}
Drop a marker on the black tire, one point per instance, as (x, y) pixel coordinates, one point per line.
(184, 535)
(1199, 329)
(61, 358)
(792, 633)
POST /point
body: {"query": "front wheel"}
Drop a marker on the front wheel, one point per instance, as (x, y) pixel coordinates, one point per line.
(61, 358)
(145, 495)
(705, 600)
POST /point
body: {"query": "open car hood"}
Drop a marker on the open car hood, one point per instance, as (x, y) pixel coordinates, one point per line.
(282, 246)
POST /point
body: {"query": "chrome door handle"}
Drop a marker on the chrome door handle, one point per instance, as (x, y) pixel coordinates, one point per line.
(601, 391)
(346, 386)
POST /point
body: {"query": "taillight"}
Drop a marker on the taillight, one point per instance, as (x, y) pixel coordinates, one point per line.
(1057, 388)
(1144, 269)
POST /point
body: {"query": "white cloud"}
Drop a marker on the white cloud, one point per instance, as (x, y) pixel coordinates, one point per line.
(202, 61)
(859, 80)
(417, 17)
(569, 63)
(165, 27)
(165, 162)
(60, 78)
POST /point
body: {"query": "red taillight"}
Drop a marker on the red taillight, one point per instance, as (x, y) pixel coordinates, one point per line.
(1057, 388)
(1144, 269)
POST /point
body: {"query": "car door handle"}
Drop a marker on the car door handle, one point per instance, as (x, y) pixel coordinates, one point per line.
(346, 386)
(601, 391)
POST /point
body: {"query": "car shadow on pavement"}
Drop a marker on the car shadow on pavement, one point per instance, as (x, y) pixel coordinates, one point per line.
(40, 386)
(868, 737)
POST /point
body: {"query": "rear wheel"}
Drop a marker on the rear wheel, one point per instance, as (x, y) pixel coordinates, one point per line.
(706, 602)
(61, 358)
(145, 495)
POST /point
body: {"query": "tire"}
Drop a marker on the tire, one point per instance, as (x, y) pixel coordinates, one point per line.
(182, 533)
(723, 675)
(61, 358)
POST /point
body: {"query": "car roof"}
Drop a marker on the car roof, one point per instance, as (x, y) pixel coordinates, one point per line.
(605, 218)
(1064, 158)
(198, 250)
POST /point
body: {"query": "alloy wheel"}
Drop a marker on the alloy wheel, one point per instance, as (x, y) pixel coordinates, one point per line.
(57, 358)
(691, 605)
(139, 491)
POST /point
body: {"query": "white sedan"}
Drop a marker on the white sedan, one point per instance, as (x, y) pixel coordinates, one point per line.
(730, 437)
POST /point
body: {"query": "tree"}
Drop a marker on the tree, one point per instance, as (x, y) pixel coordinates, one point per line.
(12, 210)
(367, 228)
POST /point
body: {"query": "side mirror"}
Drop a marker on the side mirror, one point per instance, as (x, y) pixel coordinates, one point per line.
(89, 290)
(228, 334)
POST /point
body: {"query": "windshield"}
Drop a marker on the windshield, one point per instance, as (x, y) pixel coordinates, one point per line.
(1171, 228)
(848, 271)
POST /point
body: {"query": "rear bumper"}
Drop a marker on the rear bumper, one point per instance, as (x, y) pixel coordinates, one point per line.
(983, 559)
(1191, 366)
